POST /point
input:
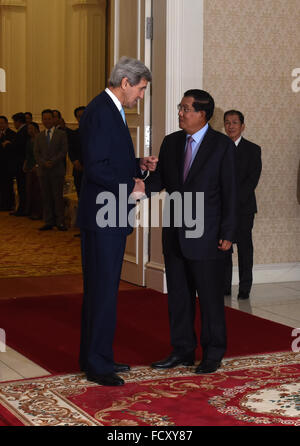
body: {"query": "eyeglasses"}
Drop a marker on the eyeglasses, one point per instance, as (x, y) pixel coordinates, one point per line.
(184, 109)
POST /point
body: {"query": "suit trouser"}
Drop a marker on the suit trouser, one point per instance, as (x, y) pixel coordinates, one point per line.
(7, 197)
(102, 257)
(245, 255)
(52, 188)
(77, 175)
(185, 278)
(21, 186)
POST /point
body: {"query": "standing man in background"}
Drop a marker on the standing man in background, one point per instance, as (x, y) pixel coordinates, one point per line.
(50, 149)
(18, 155)
(248, 165)
(75, 151)
(109, 162)
(7, 197)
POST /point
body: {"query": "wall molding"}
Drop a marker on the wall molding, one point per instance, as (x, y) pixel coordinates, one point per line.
(272, 273)
(13, 3)
(2, 80)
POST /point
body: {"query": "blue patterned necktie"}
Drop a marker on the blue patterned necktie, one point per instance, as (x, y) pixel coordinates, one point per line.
(123, 115)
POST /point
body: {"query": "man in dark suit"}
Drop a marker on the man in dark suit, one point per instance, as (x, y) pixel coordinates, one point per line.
(75, 151)
(248, 164)
(7, 136)
(18, 155)
(193, 160)
(50, 149)
(110, 167)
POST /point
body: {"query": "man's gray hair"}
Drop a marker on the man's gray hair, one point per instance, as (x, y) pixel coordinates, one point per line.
(133, 69)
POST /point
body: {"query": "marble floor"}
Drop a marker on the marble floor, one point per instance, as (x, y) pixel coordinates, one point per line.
(278, 302)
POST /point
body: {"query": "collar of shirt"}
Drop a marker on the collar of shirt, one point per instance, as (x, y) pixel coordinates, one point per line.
(20, 128)
(198, 138)
(51, 132)
(114, 98)
(238, 141)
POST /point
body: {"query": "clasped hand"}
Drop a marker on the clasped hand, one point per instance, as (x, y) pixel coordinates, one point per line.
(148, 163)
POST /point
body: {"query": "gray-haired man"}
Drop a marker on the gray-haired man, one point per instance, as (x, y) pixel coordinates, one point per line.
(109, 161)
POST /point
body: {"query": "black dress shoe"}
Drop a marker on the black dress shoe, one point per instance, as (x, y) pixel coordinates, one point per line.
(243, 295)
(61, 228)
(109, 379)
(19, 214)
(173, 361)
(207, 366)
(121, 368)
(46, 228)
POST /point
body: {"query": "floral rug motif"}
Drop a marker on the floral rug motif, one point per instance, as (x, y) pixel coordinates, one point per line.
(253, 390)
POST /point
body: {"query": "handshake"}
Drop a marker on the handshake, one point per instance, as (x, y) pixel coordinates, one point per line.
(149, 163)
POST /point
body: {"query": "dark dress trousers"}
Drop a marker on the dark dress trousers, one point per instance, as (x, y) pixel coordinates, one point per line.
(52, 179)
(7, 197)
(249, 166)
(18, 155)
(196, 265)
(109, 161)
(75, 153)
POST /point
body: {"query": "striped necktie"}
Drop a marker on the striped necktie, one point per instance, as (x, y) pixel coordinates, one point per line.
(187, 158)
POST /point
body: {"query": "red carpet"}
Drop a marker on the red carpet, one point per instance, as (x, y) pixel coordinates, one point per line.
(47, 330)
(258, 390)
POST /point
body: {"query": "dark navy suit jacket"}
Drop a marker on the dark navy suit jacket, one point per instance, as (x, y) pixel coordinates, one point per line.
(249, 166)
(212, 172)
(109, 161)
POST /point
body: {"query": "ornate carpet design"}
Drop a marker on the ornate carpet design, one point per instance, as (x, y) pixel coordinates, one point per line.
(27, 252)
(254, 390)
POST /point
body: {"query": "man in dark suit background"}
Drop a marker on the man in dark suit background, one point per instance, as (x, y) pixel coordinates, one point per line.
(249, 166)
(197, 159)
(7, 198)
(109, 165)
(75, 151)
(18, 155)
(50, 149)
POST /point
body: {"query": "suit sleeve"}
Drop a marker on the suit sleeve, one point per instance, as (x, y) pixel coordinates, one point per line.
(37, 152)
(254, 170)
(74, 146)
(228, 194)
(155, 182)
(63, 148)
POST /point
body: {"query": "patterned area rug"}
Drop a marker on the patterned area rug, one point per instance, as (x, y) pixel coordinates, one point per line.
(28, 252)
(248, 391)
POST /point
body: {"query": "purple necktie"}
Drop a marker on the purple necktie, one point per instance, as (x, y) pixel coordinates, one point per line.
(187, 158)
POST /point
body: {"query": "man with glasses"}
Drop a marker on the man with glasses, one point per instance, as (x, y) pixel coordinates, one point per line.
(197, 159)
(249, 166)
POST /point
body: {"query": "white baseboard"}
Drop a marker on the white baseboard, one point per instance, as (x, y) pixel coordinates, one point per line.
(272, 273)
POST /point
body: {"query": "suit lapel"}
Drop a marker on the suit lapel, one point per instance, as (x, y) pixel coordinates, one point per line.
(45, 138)
(52, 139)
(240, 151)
(204, 152)
(118, 117)
(116, 112)
(180, 151)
